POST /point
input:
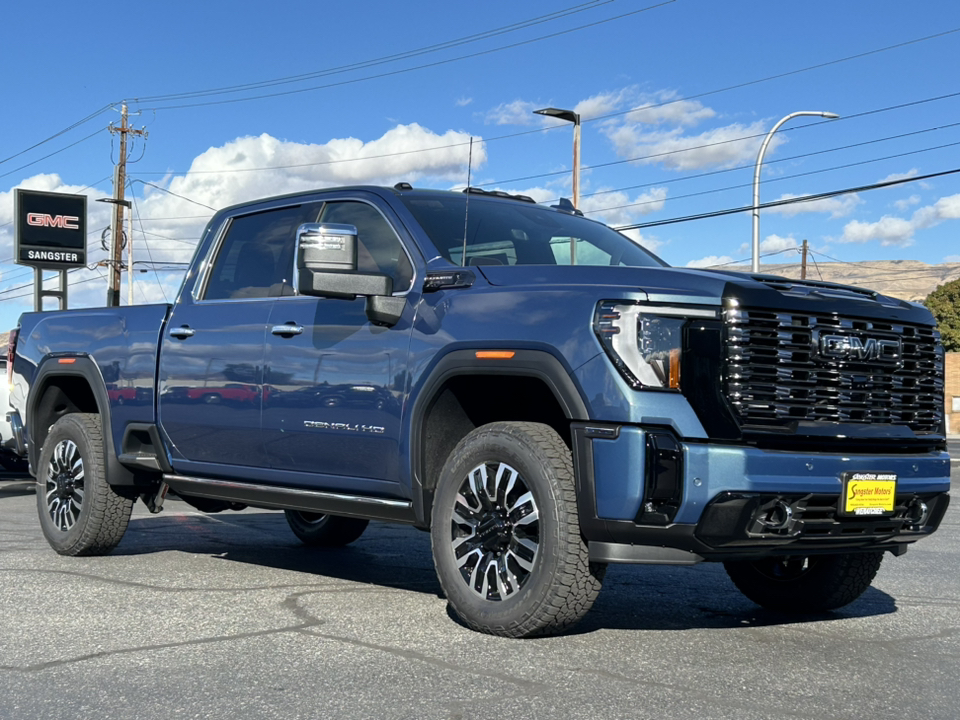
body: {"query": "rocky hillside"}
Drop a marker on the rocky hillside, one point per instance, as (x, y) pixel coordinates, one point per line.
(905, 279)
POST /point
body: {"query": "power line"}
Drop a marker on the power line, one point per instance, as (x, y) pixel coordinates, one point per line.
(770, 162)
(170, 192)
(57, 152)
(639, 158)
(778, 76)
(523, 24)
(147, 246)
(416, 67)
(777, 179)
(67, 129)
(787, 201)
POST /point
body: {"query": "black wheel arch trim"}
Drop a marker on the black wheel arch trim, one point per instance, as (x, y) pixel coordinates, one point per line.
(540, 364)
(82, 366)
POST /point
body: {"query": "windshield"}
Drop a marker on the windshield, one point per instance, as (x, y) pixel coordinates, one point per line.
(519, 233)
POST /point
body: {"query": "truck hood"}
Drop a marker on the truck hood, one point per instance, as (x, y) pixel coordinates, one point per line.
(711, 287)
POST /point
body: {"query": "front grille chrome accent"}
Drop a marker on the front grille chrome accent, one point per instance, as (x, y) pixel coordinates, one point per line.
(781, 367)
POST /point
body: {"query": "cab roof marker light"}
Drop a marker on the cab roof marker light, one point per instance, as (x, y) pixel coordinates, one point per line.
(494, 354)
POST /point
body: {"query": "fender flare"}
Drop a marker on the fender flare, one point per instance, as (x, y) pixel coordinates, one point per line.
(82, 366)
(540, 364)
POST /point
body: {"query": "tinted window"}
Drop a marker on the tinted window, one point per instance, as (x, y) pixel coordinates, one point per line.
(520, 233)
(378, 247)
(256, 256)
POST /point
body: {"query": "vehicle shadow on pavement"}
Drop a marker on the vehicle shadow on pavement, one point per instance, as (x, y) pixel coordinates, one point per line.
(669, 597)
(390, 556)
(17, 486)
(634, 597)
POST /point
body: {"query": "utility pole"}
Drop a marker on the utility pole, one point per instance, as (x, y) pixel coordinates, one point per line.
(803, 261)
(116, 232)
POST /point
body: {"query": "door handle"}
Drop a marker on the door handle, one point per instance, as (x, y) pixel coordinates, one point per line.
(288, 329)
(182, 332)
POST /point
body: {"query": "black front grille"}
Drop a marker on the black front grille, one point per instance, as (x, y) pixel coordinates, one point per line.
(781, 367)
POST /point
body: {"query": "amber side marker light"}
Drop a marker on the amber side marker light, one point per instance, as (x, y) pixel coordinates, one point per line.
(675, 369)
(67, 361)
(494, 354)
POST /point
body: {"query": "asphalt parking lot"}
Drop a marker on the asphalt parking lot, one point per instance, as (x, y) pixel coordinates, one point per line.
(227, 616)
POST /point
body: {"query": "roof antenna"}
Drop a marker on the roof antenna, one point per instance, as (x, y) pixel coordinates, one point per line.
(466, 212)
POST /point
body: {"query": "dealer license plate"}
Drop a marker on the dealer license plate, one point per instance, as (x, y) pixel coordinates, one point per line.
(868, 494)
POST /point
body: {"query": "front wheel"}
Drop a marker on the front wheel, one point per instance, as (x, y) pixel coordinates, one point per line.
(80, 514)
(506, 535)
(319, 530)
(799, 584)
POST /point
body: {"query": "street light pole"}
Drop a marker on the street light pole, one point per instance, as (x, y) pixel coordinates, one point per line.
(755, 266)
(569, 116)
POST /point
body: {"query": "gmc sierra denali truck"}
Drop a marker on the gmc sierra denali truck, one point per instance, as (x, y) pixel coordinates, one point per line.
(534, 388)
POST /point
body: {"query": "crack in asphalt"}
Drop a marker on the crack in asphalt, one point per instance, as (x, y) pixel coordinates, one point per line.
(38, 667)
(308, 622)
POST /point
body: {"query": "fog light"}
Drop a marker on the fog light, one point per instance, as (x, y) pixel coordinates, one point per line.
(917, 514)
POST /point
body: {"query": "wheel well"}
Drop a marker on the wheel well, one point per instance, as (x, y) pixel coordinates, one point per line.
(466, 402)
(61, 396)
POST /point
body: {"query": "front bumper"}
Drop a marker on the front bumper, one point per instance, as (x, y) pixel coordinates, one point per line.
(647, 497)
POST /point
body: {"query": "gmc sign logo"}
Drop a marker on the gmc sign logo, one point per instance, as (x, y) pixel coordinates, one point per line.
(67, 222)
(51, 229)
(849, 347)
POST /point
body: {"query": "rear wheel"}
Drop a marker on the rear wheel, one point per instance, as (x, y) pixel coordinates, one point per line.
(800, 584)
(80, 514)
(321, 530)
(506, 535)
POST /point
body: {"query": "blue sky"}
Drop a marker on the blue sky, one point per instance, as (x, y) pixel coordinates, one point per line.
(243, 101)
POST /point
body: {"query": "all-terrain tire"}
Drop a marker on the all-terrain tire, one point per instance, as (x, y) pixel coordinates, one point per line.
(80, 514)
(506, 535)
(805, 584)
(320, 530)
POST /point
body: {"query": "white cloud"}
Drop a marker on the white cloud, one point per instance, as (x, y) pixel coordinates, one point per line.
(463, 101)
(951, 259)
(906, 203)
(912, 172)
(726, 146)
(234, 173)
(518, 112)
(710, 261)
(602, 104)
(837, 206)
(948, 208)
(651, 243)
(772, 244)
(663, 107)
(618, 208)
(890, 230)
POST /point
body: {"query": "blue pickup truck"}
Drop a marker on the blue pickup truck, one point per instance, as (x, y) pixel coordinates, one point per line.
(536, 390)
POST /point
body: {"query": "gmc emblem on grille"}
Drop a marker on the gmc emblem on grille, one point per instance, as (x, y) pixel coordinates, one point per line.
(849, 347)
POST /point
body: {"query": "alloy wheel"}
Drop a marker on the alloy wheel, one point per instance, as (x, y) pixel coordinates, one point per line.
(495, 531)
(65, 485)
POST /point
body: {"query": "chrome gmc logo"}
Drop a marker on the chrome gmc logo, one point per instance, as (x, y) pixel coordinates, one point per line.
(850, 347)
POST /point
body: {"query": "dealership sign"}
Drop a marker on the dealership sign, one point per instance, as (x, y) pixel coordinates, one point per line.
(51, 229)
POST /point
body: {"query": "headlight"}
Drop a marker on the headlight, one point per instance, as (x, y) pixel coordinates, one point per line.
(645, 342)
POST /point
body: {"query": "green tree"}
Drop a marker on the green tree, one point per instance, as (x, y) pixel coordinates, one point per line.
(944, 303)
